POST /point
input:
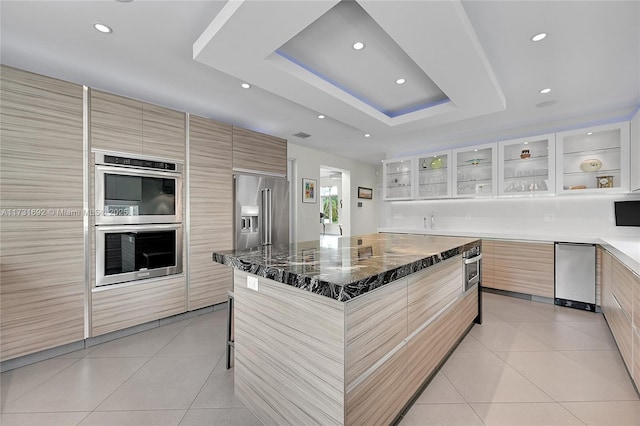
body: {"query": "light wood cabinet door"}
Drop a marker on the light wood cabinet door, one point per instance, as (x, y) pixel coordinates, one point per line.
(116, 123)
(41, 181)
(606, 283)
(258, 152)
(211, 210)
(623, 286)
(163, 133)
(487, 263)
(523, 267)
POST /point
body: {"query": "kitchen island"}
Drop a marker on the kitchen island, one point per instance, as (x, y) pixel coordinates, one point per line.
(350, 333)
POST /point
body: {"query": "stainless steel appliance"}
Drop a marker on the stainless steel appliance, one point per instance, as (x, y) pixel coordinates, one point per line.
(134, 252)
(472, 261)
(136, 190)
(261, 213)
(138, 233)
(575, 277)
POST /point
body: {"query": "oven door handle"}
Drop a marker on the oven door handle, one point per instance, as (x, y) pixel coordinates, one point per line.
(473, 259)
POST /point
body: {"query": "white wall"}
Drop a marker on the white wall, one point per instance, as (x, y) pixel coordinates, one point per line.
(587, 216)
(364, 220)
(635, 152)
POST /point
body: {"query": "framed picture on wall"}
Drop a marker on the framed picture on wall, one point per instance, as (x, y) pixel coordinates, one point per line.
(309, 190)
(365, 193)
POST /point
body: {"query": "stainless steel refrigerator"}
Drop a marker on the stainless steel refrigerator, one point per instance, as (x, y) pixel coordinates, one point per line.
(261, 211)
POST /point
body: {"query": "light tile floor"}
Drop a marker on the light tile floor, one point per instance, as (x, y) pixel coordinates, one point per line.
(528, 364)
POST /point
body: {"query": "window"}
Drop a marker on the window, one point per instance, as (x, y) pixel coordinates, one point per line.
(329, 202)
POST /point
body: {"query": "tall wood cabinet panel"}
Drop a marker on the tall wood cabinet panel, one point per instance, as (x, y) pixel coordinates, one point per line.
(121, 307)
(130, 126)
(523, 267)
(211, 210)
(41, 180)
(259, 152)
(487, 263)
(163, 133)
(116, 123)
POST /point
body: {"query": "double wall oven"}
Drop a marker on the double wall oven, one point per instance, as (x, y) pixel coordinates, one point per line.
(138, 218)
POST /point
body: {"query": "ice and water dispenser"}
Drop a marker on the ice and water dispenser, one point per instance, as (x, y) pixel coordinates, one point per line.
(249, 219)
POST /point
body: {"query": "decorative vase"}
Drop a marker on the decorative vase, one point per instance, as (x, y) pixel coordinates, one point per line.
(591, 165)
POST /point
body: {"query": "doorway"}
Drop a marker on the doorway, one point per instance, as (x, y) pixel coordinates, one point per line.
(334, 203)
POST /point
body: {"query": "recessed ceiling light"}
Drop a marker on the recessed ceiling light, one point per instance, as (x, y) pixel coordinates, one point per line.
(589, 133)
(545, 91)
(321, 116)
(358, 45)
(366, 135)
(245, 85)
(102, 28)
(538, 37)
(526, 143)
(400, 81)
(475, 150)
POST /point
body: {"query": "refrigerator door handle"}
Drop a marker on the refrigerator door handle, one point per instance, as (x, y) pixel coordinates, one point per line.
(266, 217)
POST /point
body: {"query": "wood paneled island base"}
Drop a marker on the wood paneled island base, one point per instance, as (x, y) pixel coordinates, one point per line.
(303, 358)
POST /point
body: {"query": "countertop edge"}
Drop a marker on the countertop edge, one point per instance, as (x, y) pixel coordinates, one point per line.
(341, 292)
(619, 246)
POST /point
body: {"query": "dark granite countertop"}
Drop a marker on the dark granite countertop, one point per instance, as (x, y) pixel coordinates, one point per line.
(345, 268)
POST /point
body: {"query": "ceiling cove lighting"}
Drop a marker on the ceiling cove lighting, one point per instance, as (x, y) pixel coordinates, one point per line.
(539, 37)
(246, 86)
(321, 116)
(358, 45)
(102, 28)
(400, 81)
(545, 91)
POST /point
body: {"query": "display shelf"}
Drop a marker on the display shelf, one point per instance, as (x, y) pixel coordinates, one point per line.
(475, 179)
(608, 144)
(398, 179)
(433, 175)
(527, 165)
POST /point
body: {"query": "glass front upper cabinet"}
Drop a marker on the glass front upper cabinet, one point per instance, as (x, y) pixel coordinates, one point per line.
(527, 166)
(475, 171)
(593, 159)
(397, 179)
(433, 175)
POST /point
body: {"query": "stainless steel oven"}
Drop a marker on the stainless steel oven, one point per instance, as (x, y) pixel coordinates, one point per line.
(472, 259)
(137, 190)
(134, 252)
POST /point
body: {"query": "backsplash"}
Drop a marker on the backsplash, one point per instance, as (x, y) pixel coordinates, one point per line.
(581, 215)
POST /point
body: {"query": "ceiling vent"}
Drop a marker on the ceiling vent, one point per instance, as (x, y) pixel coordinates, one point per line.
(302, 135)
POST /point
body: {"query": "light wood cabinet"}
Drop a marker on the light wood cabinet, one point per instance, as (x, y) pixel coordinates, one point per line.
(621, 308)
(163, 132)
(121, 307)
(517, 266)
(116, 123)
(257, 152)
(41, 181)
(134, 127)
(487, 263)
(211, 210)
(623, 284)
(375, 324)
(433, 289)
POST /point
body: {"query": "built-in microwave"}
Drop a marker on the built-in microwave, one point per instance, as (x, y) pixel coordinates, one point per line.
(135, 252)
(135, 190)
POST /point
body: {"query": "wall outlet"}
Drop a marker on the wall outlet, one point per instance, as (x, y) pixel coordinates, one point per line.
(252, 283)
(549, 217)
(468, 216)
